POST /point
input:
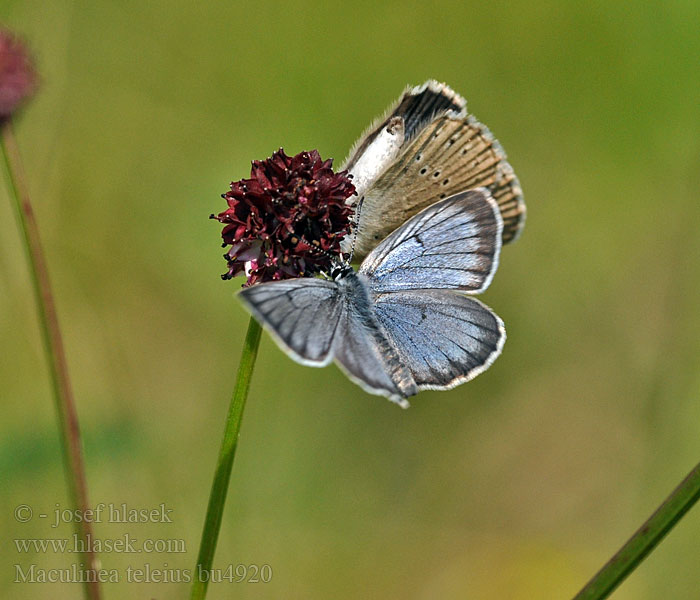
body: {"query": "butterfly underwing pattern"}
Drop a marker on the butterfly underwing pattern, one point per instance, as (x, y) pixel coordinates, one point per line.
(403, 322)
(425, 148)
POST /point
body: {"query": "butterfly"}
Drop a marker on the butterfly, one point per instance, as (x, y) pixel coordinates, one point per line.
(401, 323)
(425, 148)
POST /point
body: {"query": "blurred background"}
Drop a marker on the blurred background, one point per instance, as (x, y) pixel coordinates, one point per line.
(520, 484)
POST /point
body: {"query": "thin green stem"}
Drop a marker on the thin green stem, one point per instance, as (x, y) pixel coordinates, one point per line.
(647, 537)
(222, 475)
(69, 430)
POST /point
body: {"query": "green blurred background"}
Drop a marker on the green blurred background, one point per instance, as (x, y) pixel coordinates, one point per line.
(517, 485)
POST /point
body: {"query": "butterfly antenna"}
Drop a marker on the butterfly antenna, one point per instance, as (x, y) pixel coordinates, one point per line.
(357, 228)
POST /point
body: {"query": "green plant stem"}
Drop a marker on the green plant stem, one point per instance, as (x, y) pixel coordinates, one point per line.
(222, 475)
(647, 537)
(69, 430)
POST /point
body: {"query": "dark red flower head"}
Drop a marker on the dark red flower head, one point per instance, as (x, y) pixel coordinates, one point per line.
(287, 220)
(17, 75)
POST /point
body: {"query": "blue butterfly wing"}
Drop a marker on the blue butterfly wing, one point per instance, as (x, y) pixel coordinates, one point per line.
(363, 350)
(397, 328)
(443, 338)
(316, 321)
(453, 244)
(301, 314)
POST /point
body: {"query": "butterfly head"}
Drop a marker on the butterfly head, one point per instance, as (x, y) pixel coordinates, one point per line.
(340, 270)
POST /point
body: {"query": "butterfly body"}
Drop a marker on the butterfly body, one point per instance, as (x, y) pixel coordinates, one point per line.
(360, 302)
(402, 322)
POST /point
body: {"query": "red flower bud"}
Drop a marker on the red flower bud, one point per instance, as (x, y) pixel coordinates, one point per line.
(287, 220)
(18, 78)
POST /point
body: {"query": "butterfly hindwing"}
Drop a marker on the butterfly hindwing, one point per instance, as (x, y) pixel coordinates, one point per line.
(442, 337)
(453, 244)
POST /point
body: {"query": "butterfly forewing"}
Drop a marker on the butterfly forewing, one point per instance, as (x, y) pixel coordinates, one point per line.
(509, 197)
(383, 141)
(316, 320)
(365, 354)
(302, 314)
(442, 337)
(445, 151)
(453, 244)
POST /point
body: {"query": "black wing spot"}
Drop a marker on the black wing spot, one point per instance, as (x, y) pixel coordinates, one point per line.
(418, 157)
(423, 171)
(446, 182)
(419, 109)
(436, 174)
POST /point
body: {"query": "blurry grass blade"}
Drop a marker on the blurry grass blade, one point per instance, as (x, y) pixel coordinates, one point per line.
(69, 430)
